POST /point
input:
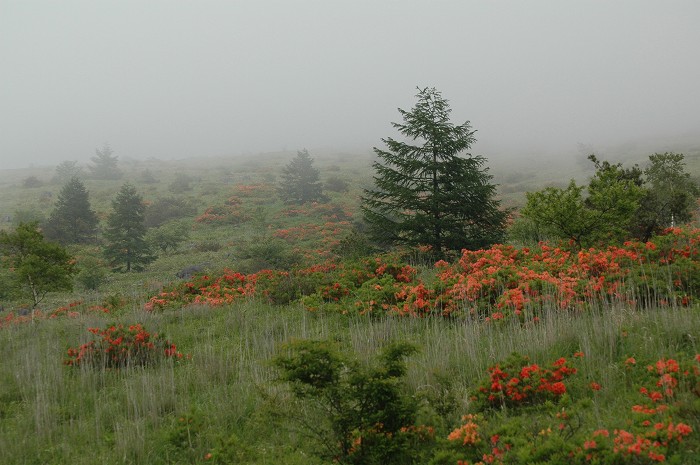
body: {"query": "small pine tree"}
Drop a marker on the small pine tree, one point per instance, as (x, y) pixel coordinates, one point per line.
(127, 248)
(105, 164)
(72, 220)
(300, 181)
(426, 192)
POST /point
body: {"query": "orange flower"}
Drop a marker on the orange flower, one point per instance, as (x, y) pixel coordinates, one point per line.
(558, 388)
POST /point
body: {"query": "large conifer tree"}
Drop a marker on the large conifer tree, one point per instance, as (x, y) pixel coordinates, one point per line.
(72, 221)
(127, 248)
(428, 190)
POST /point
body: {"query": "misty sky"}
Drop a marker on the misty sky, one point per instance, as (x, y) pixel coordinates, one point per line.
(177, 78)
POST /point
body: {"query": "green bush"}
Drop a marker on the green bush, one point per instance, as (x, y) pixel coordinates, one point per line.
(359, 414)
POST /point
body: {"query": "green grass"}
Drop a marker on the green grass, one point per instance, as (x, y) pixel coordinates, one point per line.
(51, 413)
(226, 398)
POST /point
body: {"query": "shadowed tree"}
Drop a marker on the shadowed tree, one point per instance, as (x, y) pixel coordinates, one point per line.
(127, 248)
(300, 181)
(72, 221)
(428, 190)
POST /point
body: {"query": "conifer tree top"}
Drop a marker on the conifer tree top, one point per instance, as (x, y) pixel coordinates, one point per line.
(426, 192)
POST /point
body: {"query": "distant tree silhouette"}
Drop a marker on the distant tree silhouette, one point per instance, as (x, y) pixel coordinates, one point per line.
(300, 181)
(66, 170)
(72, 221)
(105, 164)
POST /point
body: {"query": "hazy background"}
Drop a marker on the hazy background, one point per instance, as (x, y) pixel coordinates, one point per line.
(176, 78)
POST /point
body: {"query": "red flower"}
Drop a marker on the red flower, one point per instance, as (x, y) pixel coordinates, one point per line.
(558, 388)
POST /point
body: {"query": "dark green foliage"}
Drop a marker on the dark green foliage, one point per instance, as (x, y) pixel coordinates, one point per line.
(37, 267)
(337, 184)
(72, 221)
(169, 236)
(267, 253)
(311, 367)
(300, 181)
(181, 183)
(167, 208)
(354, 245)
(359, 414)
(105, 164)
(91, 272)
(126, 248)
(426, 193)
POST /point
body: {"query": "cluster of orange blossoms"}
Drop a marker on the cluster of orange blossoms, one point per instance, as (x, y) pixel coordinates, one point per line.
(117, 346)
(518, 382)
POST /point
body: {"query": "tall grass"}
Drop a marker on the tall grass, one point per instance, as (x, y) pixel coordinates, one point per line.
(50, 413)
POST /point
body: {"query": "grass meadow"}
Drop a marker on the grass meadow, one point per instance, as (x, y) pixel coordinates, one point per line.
(223, 401)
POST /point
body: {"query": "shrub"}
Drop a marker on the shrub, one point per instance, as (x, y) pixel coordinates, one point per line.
(517, 382)
(266, 253)
(31, 181)
(122, 347)
(167, 209)
(168, 236)
(336, 184)
(181, 183)
(208, 246)
(92, 272)
(359, 413)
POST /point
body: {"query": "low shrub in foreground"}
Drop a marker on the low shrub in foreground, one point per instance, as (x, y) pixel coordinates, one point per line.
(359, 414)
(660, 423)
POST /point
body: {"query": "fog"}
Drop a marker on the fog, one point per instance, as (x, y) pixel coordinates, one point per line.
(178, 78)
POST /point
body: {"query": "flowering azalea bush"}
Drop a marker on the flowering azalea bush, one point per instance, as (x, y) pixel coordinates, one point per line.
(654, 432)
(492, 284)
(660, 424)
(505, 281)
(117, 346)
(517, 382)
(317, 285)
(214, 291)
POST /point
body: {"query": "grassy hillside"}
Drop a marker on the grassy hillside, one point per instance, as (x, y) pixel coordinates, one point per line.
(625, 321)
